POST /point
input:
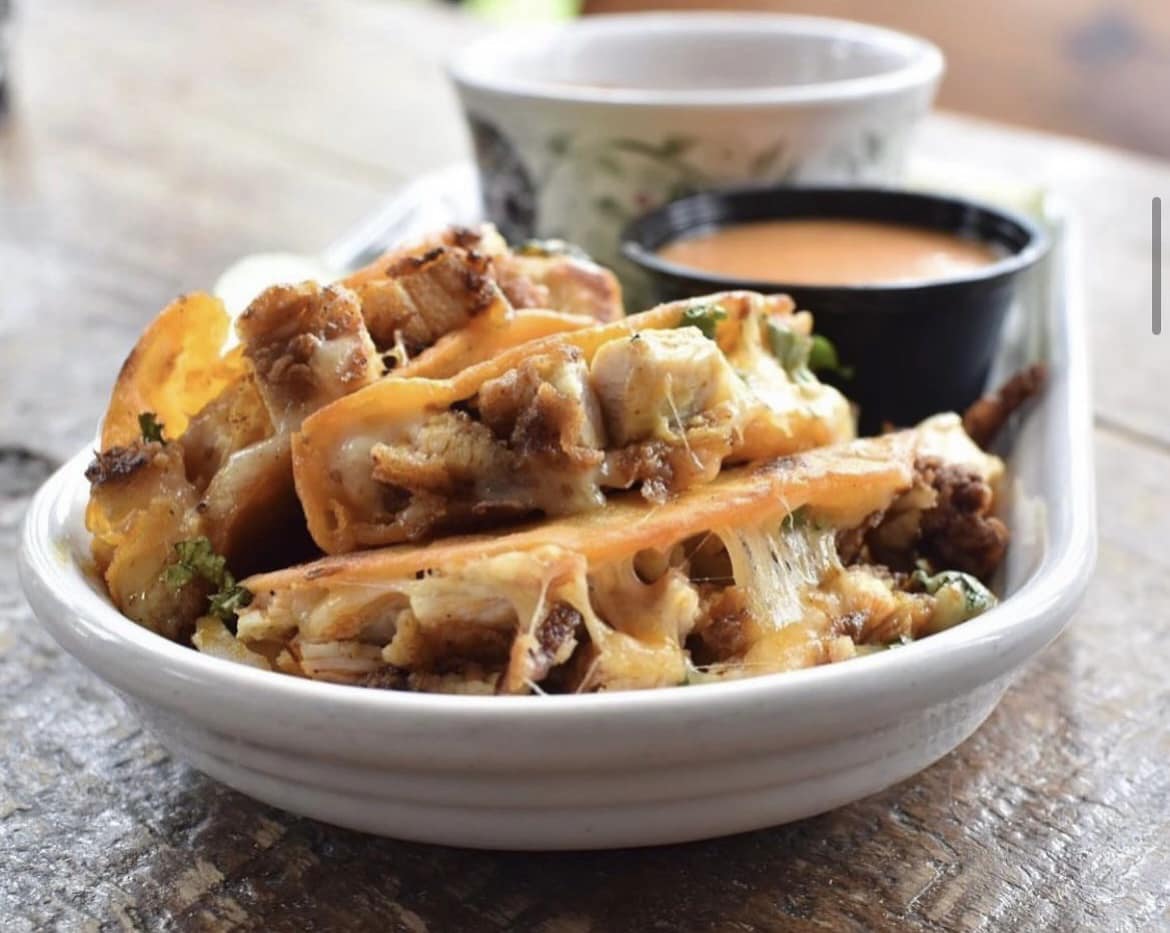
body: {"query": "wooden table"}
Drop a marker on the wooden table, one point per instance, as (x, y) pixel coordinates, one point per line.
(152, 142)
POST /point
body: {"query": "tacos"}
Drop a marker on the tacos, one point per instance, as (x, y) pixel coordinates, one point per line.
(804, 560)
(196, 440)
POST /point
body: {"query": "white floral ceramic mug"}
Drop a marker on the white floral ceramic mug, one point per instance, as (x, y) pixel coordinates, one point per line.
(579, 128)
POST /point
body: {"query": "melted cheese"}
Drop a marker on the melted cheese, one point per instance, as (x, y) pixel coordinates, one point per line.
(775, 566)
(636, 631)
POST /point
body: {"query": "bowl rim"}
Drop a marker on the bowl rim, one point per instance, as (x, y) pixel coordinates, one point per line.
(632, 241)
(922, 64)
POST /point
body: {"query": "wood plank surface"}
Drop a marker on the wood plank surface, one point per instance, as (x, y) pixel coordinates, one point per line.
(149, 144)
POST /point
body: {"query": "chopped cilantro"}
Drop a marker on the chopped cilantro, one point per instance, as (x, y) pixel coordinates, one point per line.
(802, 355)
(792, 350)
(151, 427)
(823, 358)
(227, 602)
(958, 597)
(704, 317)
(196, 560)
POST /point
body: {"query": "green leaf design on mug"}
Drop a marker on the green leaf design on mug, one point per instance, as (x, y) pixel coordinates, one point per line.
(559, 144)
(670, 148)
(609, 206)
(610, 165)
(766, 159)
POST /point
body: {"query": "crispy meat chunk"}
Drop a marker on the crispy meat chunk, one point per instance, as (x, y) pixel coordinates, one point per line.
(539, 276)
(449, 473)
(986, 417)
(550, 643)
(959, 533)
(724, 629)
(427, 296)
(484, 239)
(119, 463)
(945, 517)
(545, 410)
(534, 448)
(665, 467)
(448, 455)
(309, 346)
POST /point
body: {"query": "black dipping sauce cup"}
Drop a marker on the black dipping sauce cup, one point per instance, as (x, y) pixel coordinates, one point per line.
(915, 348)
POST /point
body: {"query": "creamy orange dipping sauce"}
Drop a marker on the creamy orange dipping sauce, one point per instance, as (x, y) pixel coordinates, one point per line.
(829, 252)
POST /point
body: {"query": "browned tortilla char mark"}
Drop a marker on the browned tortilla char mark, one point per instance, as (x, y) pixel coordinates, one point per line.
(406, 264)
(119, 463)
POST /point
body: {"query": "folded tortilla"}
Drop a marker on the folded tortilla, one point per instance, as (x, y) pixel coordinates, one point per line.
(214, 459)
(660, 401)
(767, 568)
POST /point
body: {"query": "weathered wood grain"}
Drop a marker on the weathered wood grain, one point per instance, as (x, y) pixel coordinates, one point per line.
(150, 144)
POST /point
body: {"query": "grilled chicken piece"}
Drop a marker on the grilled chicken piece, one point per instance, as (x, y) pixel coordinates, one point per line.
(483, 239)
(235, 419)
(309, 345)
(544, 408)
(653, 384)
(545, 275)
(427, 296)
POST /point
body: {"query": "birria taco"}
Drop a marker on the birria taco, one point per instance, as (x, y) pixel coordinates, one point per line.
(660, 401)
(196, 439)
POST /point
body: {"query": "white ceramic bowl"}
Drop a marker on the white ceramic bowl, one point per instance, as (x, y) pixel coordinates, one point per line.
(580, 127)
(621, 769)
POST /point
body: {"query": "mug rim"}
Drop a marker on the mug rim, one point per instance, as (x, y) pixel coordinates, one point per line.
(921, 66)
